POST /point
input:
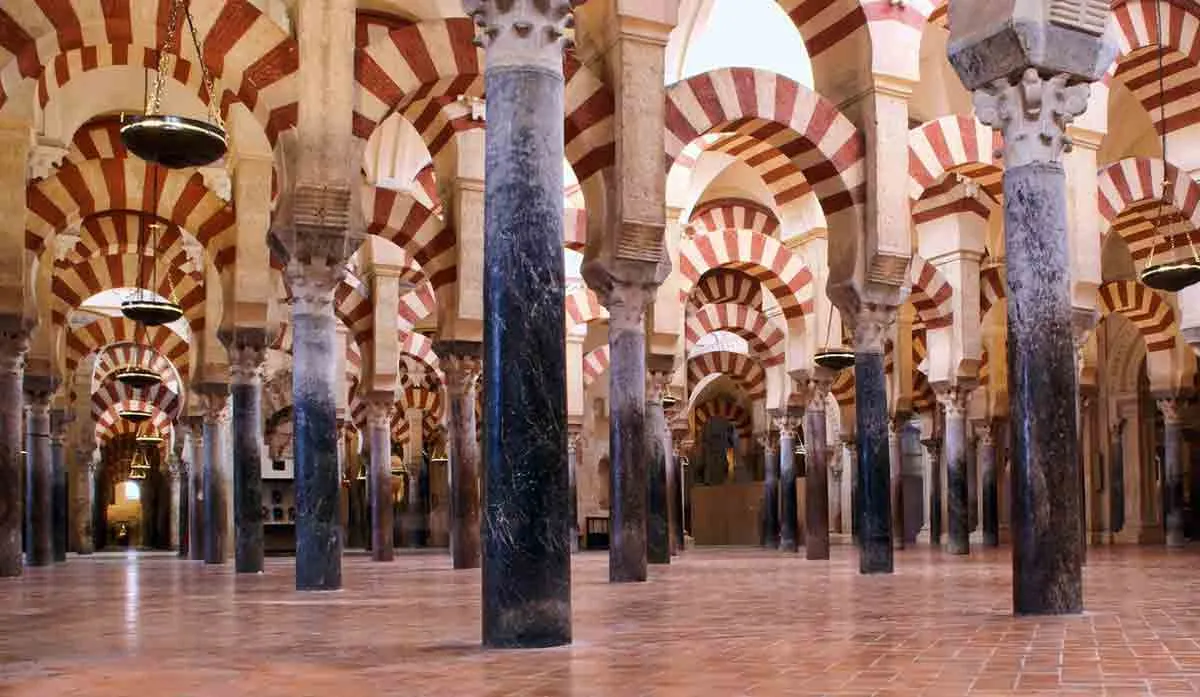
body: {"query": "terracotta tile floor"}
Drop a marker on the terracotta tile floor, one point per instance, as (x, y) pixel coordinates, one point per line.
(718, 622)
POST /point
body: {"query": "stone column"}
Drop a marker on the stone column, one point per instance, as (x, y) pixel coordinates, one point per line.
(82, 493)
(574, 447)
(835, 501)
(874, 458)
(14, 342)
(58, 469)
(380, 409)
(953, 400)
(1171, 407)
(1033, 111)
(896, 462)
(816, 499)
(414, 520)
(989, 484)
(787, 424)
(526, 554)
(658, 520)
(196, 489)
(681, 444)
(855, 501)
(39, 475)
(668, 446)
(175, 530)
(770, 504)
(215, 402)
(247, 354)
(315, 433)
(933, 446)
(462, 367)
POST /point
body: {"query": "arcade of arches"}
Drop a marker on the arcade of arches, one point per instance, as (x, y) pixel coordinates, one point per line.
(546, 288)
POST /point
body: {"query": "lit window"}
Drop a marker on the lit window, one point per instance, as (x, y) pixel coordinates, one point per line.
(133, 492)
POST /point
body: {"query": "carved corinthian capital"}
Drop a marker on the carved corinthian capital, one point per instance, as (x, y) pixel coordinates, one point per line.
(523, 33)
(312, 286)
(247, 349)
(1033, 114)
(871, 325)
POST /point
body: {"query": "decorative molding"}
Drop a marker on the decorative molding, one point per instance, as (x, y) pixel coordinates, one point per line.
(1033, 114)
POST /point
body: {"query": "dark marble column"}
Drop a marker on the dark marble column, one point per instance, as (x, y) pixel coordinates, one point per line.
(953, 400)
(574, 447)
(770, 503)
(462, 366)
(816, 499)
(672, 414)
(39, 471)
(896, 464)
(215, 400)
(658, 521)
(837, 471)
(1033, 113)
(380, 409)
(247, 354)
(526, 553)
(196, 490)
(855, 491)
(178, 475)
(789, 517)
(988, 481)
(1173, 503)
(83, 502)
(933, 446)
(874, 456)
(1047, 560)
(683, 445)
(315, 432)
(14, 342)
(58, 469)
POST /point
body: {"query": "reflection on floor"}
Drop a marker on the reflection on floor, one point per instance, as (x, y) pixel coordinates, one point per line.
(717, 622)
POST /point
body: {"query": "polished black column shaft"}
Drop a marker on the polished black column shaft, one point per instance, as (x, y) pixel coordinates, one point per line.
(770, 503)
(874, 456)
(39, 475)
(247, 363)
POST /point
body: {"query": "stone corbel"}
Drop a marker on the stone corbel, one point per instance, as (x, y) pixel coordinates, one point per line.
(45, 156)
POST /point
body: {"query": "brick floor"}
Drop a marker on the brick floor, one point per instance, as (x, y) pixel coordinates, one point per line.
(717, 622)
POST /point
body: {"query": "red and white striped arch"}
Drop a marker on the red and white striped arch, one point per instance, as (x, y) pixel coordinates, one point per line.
(113, 394)
(1124, 185)
(744, 370)
(98, 139)
(119, 356)
(595, 363)
(94, 336)
(992, 287)
(112, 426)
(82, 189)
(954, 144)
(764, 258)
(932, 294)
(734, 214)
(725, 285)
(420, 347)
(583, 306)
(832, 24)
(424, 397)
(800, 123)
(438, 59)
(1149, 312)
(779, 172)
(401, 219)
(73, 283)
(250, 55)
(765, 337)
(416, 305)
(1138, 38)
(727, 409)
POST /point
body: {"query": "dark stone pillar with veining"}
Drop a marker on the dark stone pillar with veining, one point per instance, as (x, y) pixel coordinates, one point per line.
(574, 448)
(196, 491)
(216, 517)
(1047, 573)
(816, 492)
(247, 354)
(185, 495)
(58, 470)
(988, 482)
(953, 402)
(770, 504)
(526, 553)
(874, 456)
(461, 364)
(380, 409)
(39, 474)
(658, 522)
(315, 432)
(789, 516)
(14, 342)
(896, 462)
(1173, 502)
